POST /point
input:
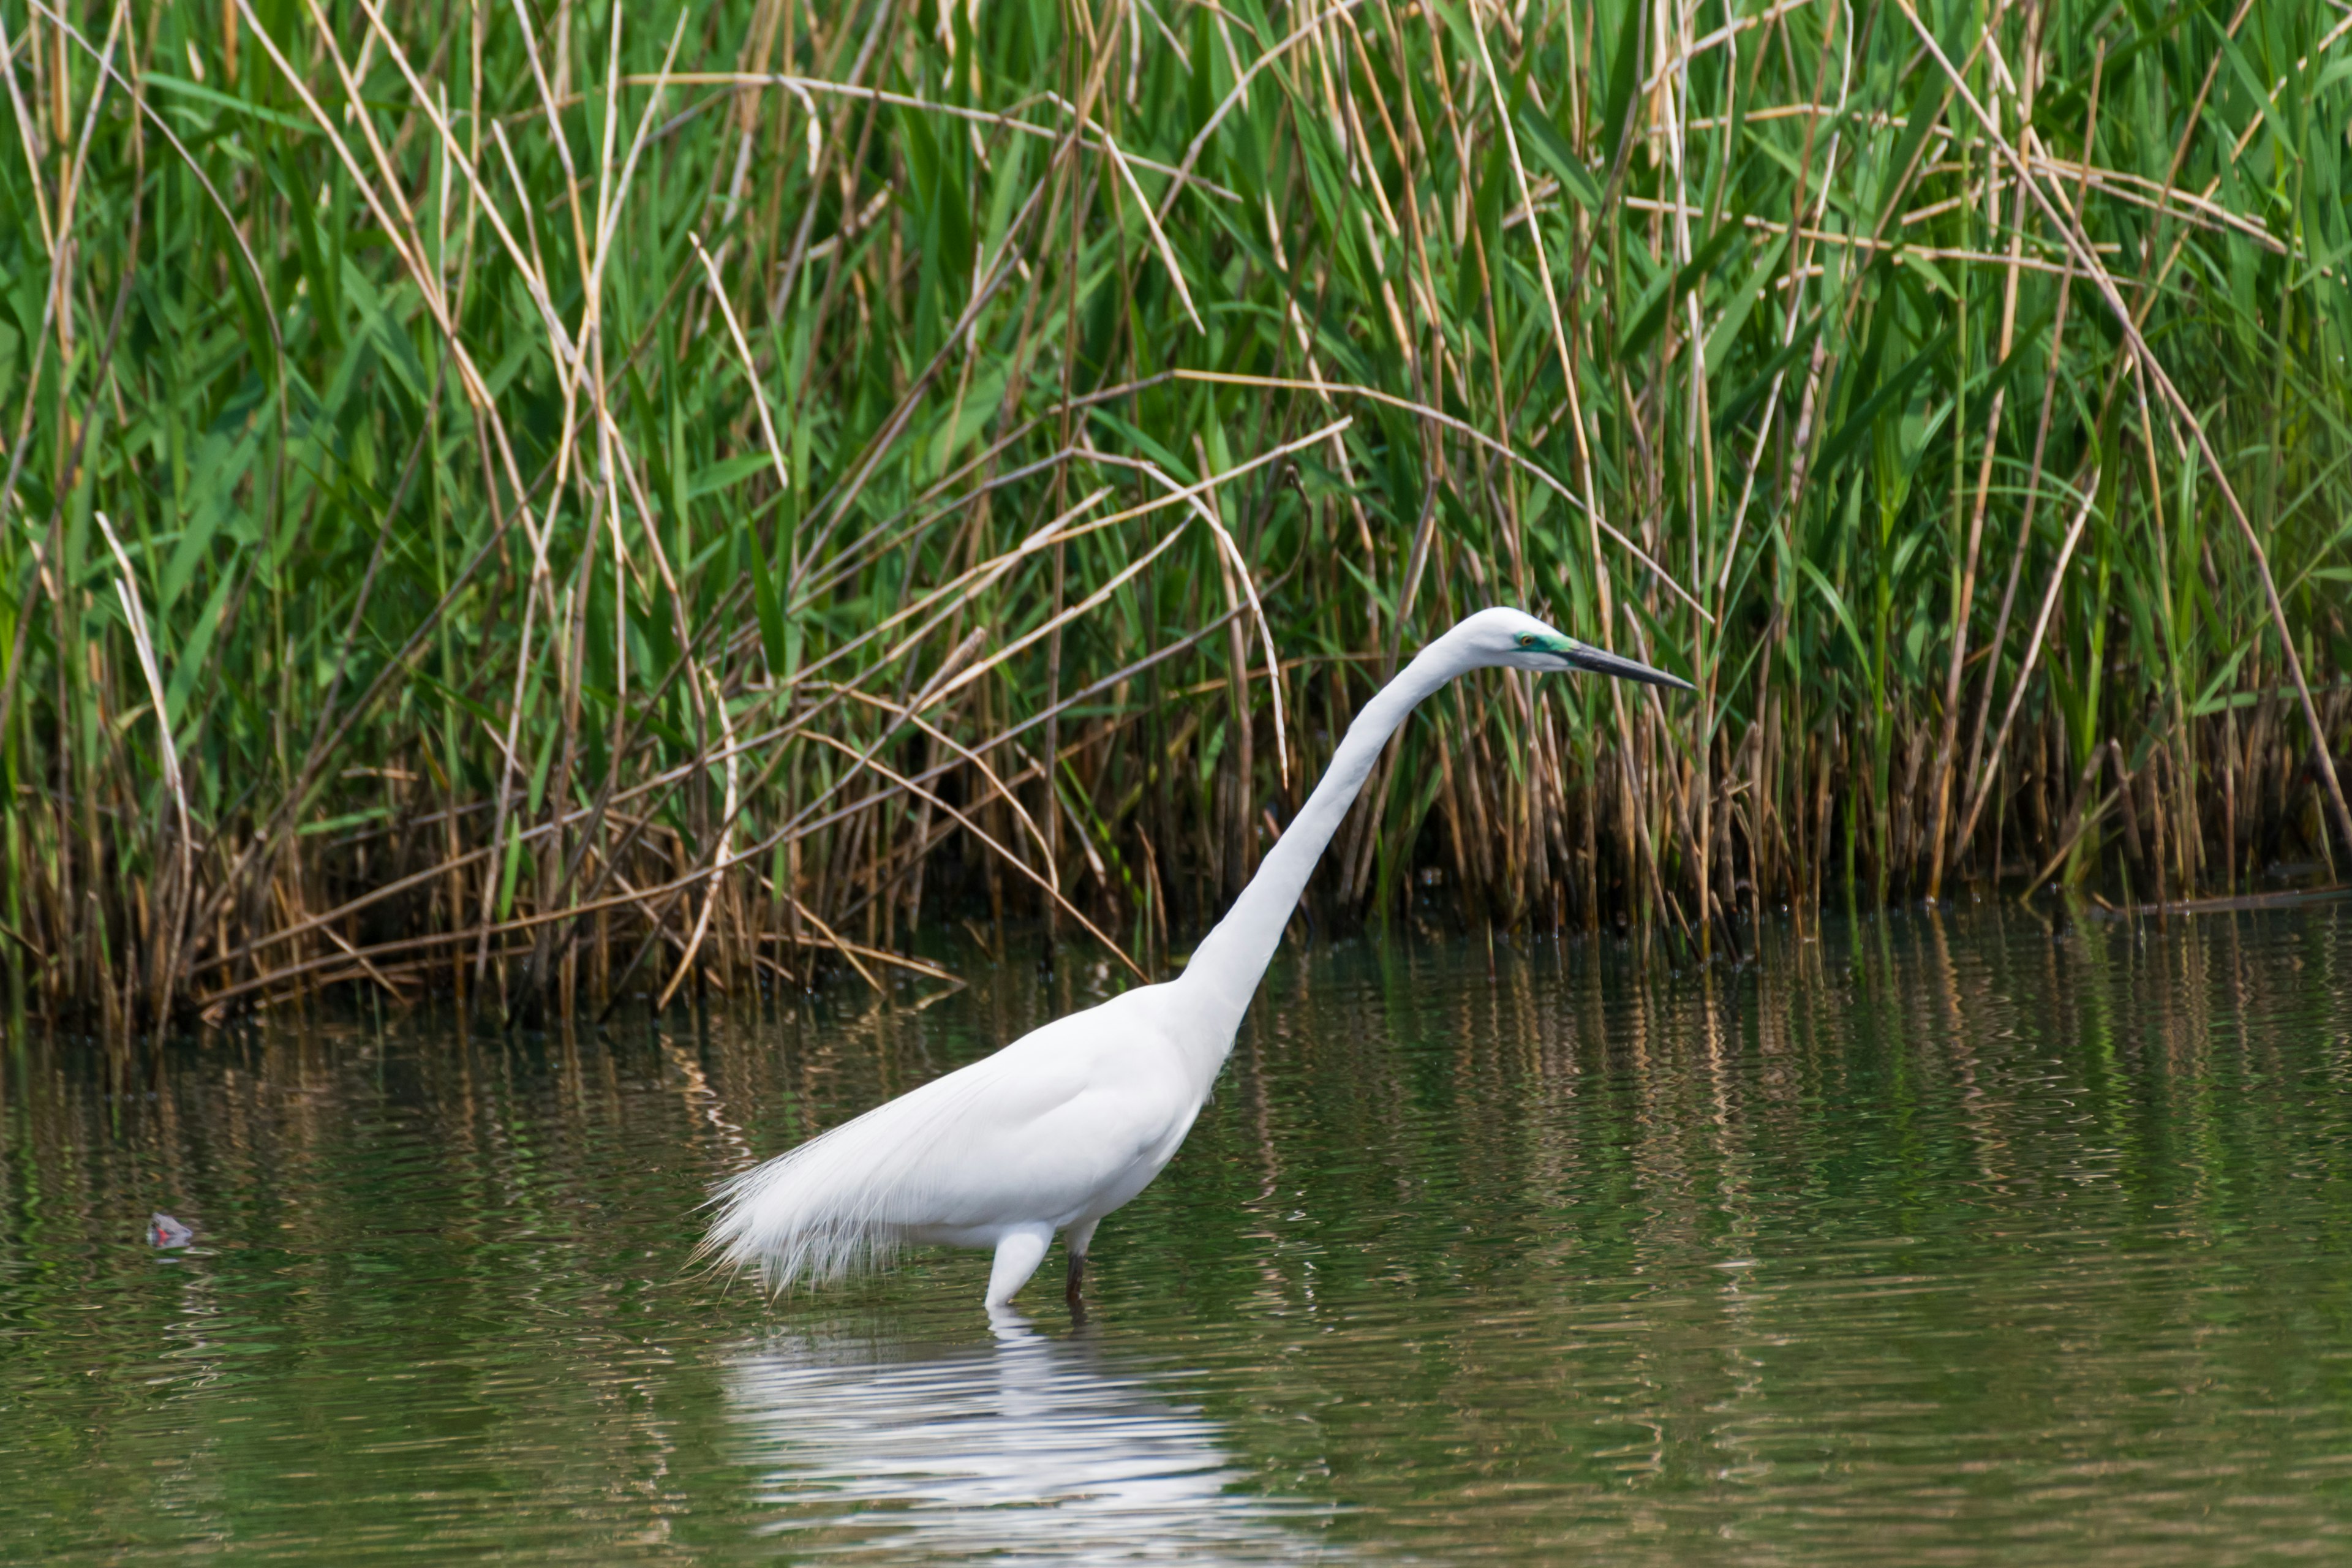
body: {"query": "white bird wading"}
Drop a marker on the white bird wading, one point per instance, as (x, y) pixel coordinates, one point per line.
(1071, 1120)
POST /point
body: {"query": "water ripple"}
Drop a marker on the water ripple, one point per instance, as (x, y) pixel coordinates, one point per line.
(1940, 1239)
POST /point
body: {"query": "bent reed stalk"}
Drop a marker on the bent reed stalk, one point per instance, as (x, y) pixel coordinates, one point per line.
(566, 504)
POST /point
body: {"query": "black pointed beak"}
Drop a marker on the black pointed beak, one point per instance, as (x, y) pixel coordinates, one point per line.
(1601, 661)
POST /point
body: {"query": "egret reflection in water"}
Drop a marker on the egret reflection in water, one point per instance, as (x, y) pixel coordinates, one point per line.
(1026, 1450)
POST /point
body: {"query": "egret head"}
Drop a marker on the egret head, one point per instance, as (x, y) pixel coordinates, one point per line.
(1519, 641)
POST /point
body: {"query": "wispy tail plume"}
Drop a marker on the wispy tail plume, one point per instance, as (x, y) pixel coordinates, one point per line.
(841, 1203)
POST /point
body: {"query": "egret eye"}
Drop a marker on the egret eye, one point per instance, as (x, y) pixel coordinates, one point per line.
(1526, 640)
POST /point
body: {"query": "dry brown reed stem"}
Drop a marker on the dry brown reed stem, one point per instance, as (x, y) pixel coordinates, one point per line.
(807, 822)
(1436, 416)
(724, 858)
(1018, 864)
(407, 246)
(1940, 787)
(768, 739)
(1977, 782)
(2089, 489)
(820, 87)
(1240, 94)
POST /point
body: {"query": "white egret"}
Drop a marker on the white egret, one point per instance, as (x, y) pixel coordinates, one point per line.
(1069, 1121)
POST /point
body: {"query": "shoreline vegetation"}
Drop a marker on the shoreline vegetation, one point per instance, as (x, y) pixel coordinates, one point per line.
(556, 502)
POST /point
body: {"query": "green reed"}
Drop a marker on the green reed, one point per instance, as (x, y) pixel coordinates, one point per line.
(567, 503)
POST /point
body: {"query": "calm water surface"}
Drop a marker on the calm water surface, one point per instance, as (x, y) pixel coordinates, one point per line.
(1962, 1242)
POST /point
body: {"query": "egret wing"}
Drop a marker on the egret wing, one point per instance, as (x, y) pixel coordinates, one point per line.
(1023, 1136)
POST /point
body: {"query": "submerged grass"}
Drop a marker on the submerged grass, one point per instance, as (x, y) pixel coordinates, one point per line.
(561, 502)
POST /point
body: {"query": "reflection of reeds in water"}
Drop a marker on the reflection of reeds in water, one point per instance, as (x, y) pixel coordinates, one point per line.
(1565, 1250)
(583, 531)
(1030, 1450)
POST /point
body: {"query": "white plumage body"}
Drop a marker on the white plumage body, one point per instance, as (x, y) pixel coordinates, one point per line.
(1056, 1131)
(1071, 1120)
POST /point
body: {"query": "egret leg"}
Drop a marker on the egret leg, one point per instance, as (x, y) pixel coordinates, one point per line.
(1018, 1253)
(1075, 1242)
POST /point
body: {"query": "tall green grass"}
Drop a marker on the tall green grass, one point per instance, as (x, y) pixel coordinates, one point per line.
(569, 500)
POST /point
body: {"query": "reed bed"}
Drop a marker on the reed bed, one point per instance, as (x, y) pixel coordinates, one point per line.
(566, 503)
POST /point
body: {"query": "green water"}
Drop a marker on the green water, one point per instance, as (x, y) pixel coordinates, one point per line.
(1962, 1242)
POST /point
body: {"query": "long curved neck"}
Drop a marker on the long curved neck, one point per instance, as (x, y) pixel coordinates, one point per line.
(1226, 967)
